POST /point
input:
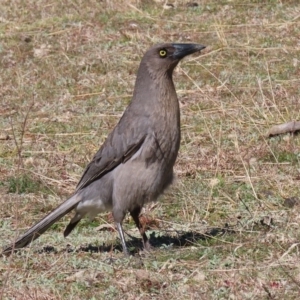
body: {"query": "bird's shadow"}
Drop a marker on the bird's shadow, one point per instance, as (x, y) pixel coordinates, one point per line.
(178, 239)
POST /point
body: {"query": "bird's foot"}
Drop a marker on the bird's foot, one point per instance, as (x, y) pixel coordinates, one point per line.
(147, 246)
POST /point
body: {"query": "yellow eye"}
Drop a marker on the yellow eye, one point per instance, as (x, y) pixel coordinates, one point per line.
(163, 53)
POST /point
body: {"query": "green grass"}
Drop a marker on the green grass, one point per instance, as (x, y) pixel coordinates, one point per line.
(223, 230)
(23, 184)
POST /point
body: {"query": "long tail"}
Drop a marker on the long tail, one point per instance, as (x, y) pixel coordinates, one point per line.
(38, 229)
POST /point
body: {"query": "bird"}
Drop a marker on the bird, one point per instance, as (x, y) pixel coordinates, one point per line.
(134, 165)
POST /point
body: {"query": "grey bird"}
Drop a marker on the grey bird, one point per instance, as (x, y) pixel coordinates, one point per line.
(135, 163)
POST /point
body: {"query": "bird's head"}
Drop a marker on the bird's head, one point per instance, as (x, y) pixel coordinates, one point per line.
(163, 58)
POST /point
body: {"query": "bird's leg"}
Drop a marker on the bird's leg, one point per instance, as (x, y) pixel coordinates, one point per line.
(121, 234)
(135, 216)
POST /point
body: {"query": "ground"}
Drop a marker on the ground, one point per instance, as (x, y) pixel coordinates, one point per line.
(229, 226)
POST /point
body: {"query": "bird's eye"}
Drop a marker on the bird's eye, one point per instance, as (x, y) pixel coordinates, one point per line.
(163, 53)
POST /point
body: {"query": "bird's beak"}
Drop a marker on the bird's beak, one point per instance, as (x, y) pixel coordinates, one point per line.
(182, 50)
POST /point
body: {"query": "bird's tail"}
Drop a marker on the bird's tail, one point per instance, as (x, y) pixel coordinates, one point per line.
(35, 231)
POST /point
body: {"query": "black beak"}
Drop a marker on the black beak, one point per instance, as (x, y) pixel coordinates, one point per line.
(182, 50)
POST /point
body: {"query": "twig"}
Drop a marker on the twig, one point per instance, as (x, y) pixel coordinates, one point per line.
(20, 145)
(292, 126)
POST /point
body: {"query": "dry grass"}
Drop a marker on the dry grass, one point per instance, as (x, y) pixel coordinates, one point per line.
(228, 229)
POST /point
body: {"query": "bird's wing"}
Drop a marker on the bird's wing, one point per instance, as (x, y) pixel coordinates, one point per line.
(118, 148)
